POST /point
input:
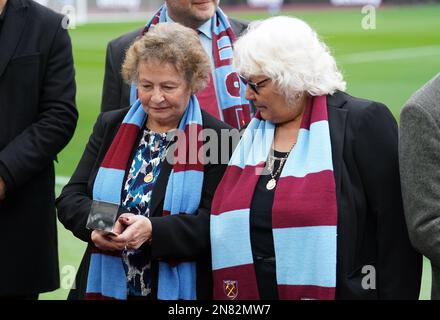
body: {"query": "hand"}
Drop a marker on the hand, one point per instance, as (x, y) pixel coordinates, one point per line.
(104, 241)
(2, 189)
(134, 229)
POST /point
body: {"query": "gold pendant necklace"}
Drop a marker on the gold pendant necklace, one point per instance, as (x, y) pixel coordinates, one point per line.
(271, 184)
(155, 144)
(149, 177)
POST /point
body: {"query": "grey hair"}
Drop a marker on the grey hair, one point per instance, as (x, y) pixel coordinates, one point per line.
(288, 51)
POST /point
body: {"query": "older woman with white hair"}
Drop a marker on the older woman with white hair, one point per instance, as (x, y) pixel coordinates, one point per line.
(310, 206)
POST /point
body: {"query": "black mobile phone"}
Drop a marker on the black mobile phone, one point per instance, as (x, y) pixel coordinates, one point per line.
(109, 233)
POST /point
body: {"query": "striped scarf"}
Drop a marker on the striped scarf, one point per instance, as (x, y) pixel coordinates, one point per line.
(107, 278)
(230, 104)
(304, 213)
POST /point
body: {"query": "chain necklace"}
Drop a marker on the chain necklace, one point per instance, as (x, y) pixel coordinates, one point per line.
(272, 183)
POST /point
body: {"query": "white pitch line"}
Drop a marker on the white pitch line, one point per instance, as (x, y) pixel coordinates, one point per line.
(393, 54)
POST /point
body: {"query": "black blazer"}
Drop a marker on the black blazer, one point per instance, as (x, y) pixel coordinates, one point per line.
(371, 224)
(115, 92)
(37, 119)
(178, 236)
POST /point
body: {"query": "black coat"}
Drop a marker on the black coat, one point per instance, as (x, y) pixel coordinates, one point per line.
(37, 119)
(115, 92)
(177, 236)
(371, 223)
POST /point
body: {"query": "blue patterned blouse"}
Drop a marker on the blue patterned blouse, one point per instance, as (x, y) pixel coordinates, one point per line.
(136, 196)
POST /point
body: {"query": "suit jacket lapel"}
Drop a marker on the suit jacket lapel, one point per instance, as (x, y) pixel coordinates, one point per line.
(337, 120)
(12, 30)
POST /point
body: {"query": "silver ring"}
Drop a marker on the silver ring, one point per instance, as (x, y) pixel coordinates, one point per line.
(125, 248)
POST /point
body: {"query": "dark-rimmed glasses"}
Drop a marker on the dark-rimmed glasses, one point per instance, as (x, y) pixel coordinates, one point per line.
(253, 85)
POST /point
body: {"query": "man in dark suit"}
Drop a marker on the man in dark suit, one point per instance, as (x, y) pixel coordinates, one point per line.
(197, 15)
(37, 119)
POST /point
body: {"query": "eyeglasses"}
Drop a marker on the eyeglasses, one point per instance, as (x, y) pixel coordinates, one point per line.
(253, 85)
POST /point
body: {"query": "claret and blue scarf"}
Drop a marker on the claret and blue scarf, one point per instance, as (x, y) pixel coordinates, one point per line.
(107, 277)
(304, 213)
(229, 104)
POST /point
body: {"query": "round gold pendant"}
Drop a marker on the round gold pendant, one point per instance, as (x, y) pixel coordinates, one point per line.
(271, 184)
(149, 177)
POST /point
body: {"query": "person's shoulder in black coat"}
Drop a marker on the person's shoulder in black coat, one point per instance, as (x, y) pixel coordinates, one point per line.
(371, 223)
(353, 104)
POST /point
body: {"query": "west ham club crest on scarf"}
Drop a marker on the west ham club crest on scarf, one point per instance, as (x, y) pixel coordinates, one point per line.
(230, 288)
